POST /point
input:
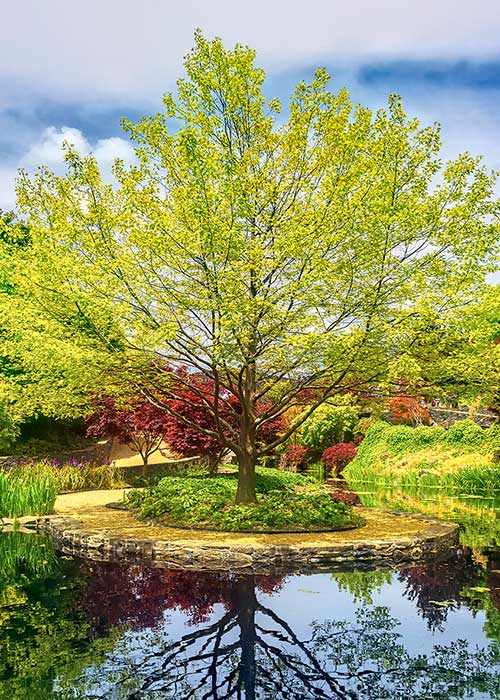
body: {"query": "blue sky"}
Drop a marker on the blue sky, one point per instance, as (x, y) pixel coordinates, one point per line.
(70, 70)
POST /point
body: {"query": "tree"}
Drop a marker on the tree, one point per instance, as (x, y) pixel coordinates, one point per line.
(193, 402)
(44, 370)
(407, 410)
(268, 256)
(330, 423)
(137, 423)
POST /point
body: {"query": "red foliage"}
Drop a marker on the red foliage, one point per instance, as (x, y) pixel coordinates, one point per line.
(338, 456)
(269, 431)
(195, 419)
(139, 596)
(296, 457)
(195, 404)
(138, 424)
(344, 496)
(405, 410)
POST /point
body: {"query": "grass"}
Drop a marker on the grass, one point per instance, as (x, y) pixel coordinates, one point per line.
(72, 476)
(286, 501)
(459, 459)
(22, 495)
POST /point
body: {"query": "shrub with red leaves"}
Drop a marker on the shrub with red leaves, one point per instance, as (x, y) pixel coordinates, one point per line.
(338, 456)
(194, 404)
(296, 457)
(405, 410)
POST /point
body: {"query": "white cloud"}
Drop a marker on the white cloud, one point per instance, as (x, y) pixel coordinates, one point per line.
(49, 150)
(7, 190)
(113, 50)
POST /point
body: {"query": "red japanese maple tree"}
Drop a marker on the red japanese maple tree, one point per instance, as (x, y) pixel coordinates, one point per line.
(137, 423)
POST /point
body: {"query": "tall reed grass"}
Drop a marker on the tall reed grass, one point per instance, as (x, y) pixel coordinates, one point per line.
(23, 495)
(73, 477)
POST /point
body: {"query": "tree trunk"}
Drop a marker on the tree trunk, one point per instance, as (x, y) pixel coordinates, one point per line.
(213, 464)
(245, 493)
(246, 606)
(145, 458)
(247, 459)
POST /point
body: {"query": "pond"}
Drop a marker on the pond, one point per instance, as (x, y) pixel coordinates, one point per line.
(74, 629)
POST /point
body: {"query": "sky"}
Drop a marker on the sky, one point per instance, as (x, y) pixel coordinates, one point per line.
(70, 69)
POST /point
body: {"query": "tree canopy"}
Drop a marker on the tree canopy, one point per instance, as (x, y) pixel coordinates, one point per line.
(269, 251)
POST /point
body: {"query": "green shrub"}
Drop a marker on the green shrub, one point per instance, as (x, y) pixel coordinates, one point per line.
(330, 423)
(466, 433)
(209, 502)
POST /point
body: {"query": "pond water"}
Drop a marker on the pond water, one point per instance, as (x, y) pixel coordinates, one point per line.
(72, 629)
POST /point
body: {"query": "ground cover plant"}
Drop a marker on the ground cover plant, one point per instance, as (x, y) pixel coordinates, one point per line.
(460, 458)
(286, 501)
(21, 494)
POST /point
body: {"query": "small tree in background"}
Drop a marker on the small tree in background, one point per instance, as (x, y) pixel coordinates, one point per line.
(406, 410)
(332, 422)
(296, 457)
(190, 428)
(138, 424)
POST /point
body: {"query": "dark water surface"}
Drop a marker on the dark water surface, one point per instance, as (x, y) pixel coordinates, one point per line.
(78, 629)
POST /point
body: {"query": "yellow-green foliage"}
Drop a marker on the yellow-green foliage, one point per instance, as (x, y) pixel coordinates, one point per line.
(459, 457)
(329, 423)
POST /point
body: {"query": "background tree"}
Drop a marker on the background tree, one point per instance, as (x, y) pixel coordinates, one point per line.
(270, 257)
(137, 423)
(44, 370)
(407, 410)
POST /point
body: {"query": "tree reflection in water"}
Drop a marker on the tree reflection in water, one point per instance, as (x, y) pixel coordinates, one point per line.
(241, 648)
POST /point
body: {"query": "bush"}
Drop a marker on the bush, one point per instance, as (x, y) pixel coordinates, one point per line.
(209, 503)
(336, 457)
(296, 457)
(330, 423)
(460, 458)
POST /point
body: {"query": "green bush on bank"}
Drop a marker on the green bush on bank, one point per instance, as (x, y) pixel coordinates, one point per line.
(208, 502)
(458, 458)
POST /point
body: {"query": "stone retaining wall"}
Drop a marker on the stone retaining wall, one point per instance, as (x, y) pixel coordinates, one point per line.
(436, 539)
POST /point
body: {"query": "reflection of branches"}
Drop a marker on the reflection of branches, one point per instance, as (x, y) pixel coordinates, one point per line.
(250, 652)
(437, 587)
